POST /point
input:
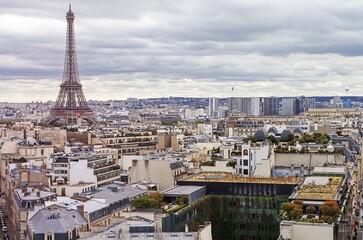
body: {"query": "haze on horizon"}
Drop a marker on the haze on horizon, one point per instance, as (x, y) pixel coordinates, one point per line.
(189, 48)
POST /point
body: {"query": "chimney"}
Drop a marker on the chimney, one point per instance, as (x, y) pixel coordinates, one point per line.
(38, 194)
(80, 209)
(24, 135)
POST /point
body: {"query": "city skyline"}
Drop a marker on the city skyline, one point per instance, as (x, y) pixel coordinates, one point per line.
(191, 49)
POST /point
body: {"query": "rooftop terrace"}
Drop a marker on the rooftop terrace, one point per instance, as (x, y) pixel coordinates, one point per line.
(319, 188)
(230, 177)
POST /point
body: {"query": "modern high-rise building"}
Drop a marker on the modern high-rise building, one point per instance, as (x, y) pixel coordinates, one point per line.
(213, 107)
(336, 102)
(271, 106)
(247, 105)
(297, 106)
(288, 106)
(306, 103)
(234, 104)
(71, 105)
(255, 106)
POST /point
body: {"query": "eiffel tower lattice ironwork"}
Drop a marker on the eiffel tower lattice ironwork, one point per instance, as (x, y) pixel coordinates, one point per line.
(71, 105)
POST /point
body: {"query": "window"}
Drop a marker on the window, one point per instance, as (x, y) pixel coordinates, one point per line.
(245, 152)
(42, 152)
(49, 237)
(245, 171)
(245, 162)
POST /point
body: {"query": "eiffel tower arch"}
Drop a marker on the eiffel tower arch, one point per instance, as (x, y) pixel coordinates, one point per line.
(71, 105)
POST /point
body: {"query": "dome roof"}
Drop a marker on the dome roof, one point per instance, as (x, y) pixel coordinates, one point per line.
(299, 131)
(285, 133)
(261, 134)
(272, 129)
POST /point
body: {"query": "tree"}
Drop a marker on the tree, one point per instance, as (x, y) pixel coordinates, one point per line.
(322, 139)
(287, 207)
(327, 219)
(290, 137)
(317, 135)
(145, 202)
(182, 200)
(330, 208)
(308, 138)
(296, 213)
(232, 163)
(310, 210)
(251, 138)
(273, 139)
(298, 202)
(157, 196)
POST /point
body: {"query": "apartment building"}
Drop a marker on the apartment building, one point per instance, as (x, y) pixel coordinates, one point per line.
(83, 170)
(253, 160)
(150, 168)
(128, 143)
(100, 207)
(25, 188)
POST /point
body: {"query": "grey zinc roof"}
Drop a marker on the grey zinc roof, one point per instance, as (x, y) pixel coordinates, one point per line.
(261, 134)
(182, 190)
(55, 220)
(272, 129)
(284, 134)
(298, 130)
(32, 194)
(176, 165)
(123, 192)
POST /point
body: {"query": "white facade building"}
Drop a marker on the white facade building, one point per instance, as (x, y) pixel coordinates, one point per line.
(193, 113)
(205, 129)
(254, 160)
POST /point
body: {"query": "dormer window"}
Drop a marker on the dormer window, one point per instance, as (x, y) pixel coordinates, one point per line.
(49, 236)
(245, 152)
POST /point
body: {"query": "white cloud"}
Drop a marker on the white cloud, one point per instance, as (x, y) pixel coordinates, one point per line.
(187, 48)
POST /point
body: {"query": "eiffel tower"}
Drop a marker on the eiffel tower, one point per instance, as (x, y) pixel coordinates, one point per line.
(71, 105)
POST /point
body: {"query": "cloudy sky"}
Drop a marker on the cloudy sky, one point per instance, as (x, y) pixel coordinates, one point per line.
(201, 48)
